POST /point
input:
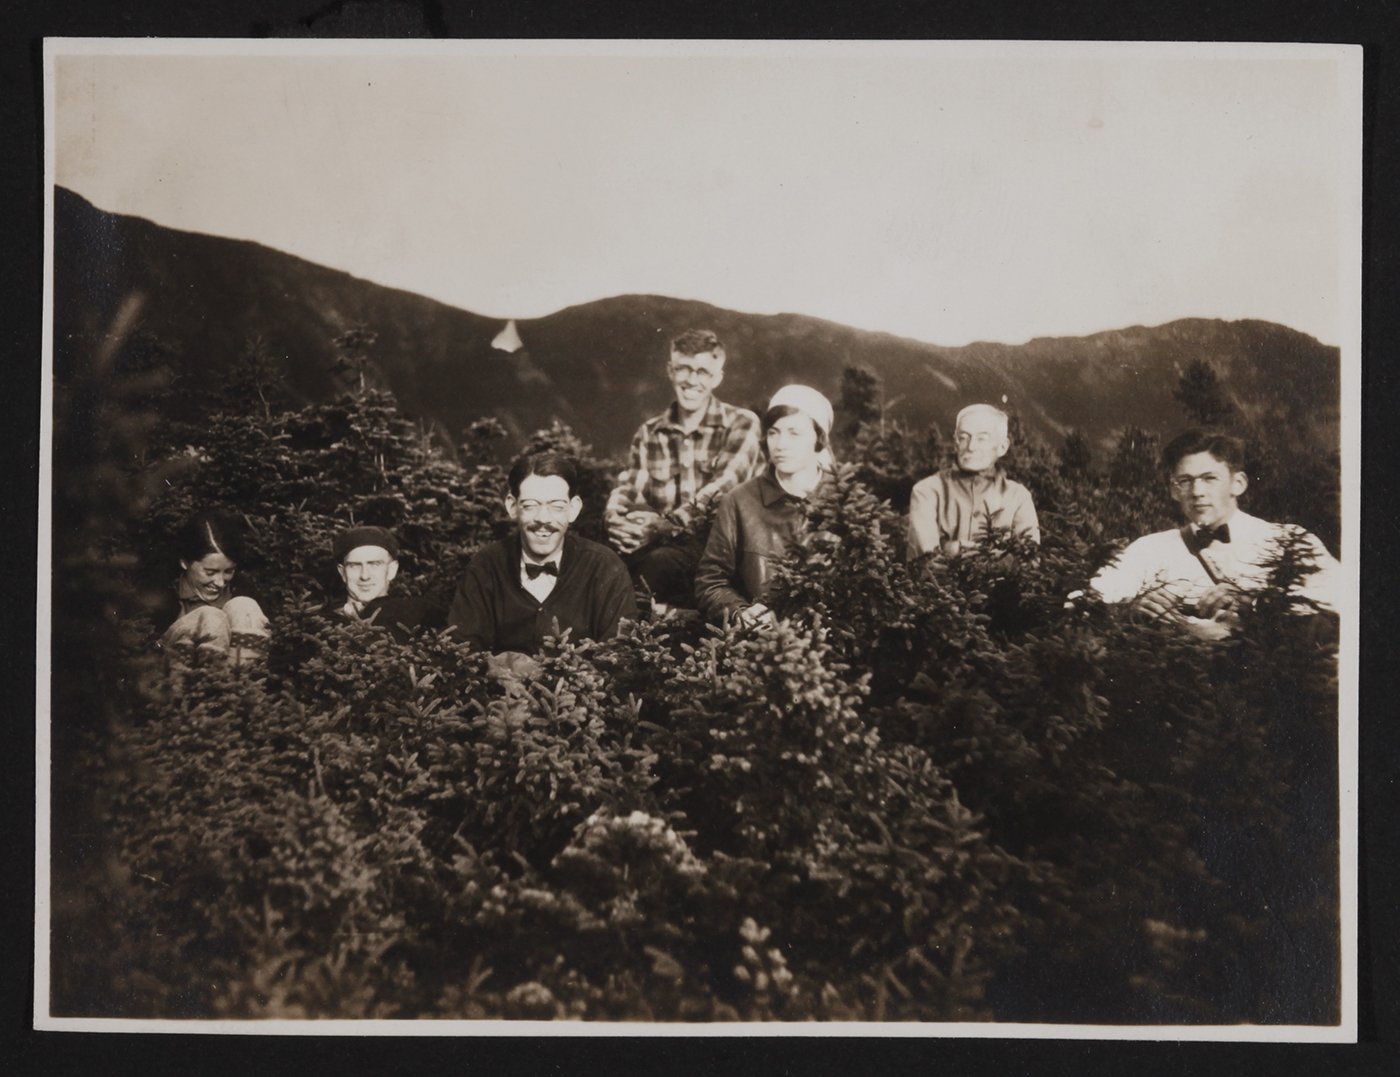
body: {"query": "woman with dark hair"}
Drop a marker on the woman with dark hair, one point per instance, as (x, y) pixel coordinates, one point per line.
(757, 520)
(208, 612)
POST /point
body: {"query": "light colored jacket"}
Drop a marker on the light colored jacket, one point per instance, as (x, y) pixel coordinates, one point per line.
(963, 506)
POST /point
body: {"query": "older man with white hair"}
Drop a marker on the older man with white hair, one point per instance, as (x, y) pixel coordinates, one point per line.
(957, 507)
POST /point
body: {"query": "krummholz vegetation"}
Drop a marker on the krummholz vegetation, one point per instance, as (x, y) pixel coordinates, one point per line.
(934, 792)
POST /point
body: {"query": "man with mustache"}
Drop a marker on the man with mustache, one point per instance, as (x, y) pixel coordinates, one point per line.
(541, 581)
(1202, 573)
(681, 462)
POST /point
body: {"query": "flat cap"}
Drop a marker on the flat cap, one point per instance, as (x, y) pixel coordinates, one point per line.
(355, 537)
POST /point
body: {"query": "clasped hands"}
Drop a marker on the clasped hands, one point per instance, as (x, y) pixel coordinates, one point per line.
(1215, 615)
(755, 616)
(630, 531)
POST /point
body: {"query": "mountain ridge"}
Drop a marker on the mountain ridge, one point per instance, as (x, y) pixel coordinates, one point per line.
(599, 366)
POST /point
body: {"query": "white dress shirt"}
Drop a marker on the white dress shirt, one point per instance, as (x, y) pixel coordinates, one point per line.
(542, 584)
(1163, 561)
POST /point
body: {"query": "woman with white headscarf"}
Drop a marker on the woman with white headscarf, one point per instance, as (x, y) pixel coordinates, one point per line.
(757, 520)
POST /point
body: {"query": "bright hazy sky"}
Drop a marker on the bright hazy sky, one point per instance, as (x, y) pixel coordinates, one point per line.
(947, 197)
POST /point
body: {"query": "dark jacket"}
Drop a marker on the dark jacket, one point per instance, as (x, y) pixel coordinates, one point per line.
(402, 614)
(491, 611)
(754, 525)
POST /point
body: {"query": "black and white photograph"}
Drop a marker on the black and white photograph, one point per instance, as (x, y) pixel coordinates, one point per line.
(700, 538)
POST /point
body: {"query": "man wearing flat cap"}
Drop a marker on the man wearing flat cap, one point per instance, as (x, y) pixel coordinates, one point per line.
(367, 559)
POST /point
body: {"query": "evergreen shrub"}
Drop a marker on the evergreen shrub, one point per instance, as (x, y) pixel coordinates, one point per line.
(933, 791)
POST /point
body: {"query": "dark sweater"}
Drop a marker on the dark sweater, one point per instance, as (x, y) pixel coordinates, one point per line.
(491, 611)
(401, 615)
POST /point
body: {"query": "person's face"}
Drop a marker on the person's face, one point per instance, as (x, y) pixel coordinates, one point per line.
(1206, 489)
(792, 444)
(367, 571)
(543, 512)
(980, 442)
(209, 576)
(694, 378)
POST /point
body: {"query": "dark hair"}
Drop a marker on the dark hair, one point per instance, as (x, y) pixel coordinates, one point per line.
(1226, 448)
(697, 342)
(782, 411)
(207, 533)
(543, 463)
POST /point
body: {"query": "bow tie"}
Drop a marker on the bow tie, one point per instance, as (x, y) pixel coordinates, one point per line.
(533, 571)
(1206, 535)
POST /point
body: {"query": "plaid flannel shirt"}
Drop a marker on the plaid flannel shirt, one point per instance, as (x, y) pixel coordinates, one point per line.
(679, 474)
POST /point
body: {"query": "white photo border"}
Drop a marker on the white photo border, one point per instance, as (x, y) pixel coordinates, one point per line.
(1349, 172)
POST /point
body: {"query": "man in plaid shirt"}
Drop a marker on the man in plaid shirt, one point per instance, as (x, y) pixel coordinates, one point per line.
(681, 461)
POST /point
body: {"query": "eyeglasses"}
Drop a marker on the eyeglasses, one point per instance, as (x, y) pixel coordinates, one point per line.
(554, 508)
(685, 372)
(1184, 484)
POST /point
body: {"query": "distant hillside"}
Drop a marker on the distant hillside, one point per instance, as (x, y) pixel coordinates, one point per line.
(598, 366)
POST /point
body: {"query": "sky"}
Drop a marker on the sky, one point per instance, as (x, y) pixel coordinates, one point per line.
(951, 194)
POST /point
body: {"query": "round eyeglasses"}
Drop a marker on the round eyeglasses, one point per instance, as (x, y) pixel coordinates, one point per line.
(553, 508)
(685, 372)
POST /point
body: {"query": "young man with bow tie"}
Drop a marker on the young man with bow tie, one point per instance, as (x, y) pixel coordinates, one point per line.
(541, 580)
(1203, 572)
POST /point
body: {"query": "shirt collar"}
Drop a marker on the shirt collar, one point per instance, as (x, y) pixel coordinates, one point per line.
(368, 609)
(185, 592)
(973, 479)
(519, 558)
(770, 491)
(1233, 520)
(714, 416)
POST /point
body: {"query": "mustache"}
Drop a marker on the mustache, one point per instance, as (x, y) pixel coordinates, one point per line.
(550, 528)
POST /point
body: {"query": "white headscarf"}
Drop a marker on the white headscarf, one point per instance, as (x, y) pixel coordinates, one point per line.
(813, 405)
